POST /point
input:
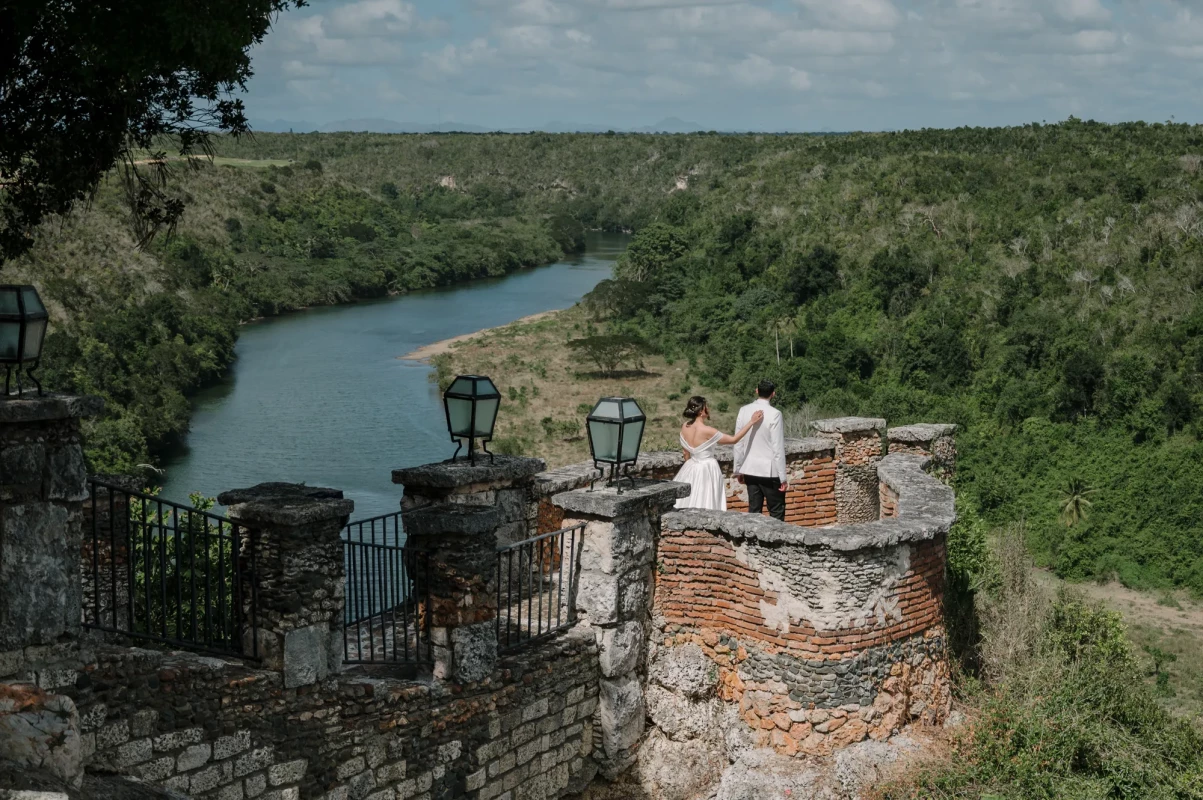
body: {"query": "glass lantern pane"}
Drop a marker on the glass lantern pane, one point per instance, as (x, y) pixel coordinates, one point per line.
(459, 412)
(33, 303)
(8, 302)
(484, 386)
(631, 435)
(34, 330)
(486, 414)
(608, 409)
(10, 336)
(630, 409)
(604, 438)
(461, 385)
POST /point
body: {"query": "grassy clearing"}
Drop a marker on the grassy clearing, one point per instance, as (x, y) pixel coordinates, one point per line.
(222, 161)
(547, 391)
(1167, 631)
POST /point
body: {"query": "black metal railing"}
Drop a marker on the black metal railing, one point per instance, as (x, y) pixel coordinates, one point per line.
(536, 587)
(387, 594)
(163, 572)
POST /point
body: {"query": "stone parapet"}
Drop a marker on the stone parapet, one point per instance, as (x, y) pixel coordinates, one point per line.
(295, 537)
(460, 545)
(214, 729)
(503, 483)
(858, 448)
(49, 407)
(43, 484)
(810, 498)
(937, 440)
(614, 598)
(813, 638)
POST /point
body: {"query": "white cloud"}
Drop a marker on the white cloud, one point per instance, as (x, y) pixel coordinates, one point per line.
(804, 43)
(371, 18)
(453, 60)
(913, 61)
(754, 71)
(854, 15)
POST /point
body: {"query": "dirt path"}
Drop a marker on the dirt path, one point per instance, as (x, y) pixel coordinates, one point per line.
(1139, 607)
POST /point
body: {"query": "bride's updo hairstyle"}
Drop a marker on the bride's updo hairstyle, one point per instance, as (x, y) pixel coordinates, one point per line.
(693, 409)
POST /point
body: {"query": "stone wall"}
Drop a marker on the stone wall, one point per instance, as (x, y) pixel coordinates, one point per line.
(815, 639)
(934, 440)
(226, 730)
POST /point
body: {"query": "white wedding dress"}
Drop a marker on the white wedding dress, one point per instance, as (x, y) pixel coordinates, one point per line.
(704, 476)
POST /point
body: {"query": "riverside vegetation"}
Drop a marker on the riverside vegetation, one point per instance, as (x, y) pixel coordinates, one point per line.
(1037, 285)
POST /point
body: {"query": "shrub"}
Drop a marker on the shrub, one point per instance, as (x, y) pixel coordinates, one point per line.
(608, 351)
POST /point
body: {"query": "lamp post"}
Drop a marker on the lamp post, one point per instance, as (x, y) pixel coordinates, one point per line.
(23, 321)
(471, 403)
(615, 428)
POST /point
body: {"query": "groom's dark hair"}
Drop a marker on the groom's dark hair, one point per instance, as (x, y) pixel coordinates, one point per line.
(765, 389)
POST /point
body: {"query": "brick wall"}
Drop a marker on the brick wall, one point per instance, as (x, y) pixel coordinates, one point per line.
(888, 500)
(810, 497)
(703, 581)
(818, 648)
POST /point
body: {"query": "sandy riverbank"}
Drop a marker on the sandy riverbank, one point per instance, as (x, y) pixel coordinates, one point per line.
(429, 351)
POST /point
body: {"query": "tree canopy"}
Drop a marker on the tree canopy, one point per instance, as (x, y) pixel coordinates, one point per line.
(85, 85)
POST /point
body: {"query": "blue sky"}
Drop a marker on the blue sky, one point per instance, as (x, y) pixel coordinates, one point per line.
(748, 65)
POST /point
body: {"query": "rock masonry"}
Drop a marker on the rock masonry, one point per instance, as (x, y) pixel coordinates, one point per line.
(698, 634)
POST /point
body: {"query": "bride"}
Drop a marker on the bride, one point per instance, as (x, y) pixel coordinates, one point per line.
(701, 471)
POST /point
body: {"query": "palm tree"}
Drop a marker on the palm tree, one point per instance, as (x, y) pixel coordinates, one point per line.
(1075, 501)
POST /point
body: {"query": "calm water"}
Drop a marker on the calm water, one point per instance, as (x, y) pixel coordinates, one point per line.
(322, 398)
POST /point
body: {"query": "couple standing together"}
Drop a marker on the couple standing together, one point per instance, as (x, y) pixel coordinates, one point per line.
(759, 455)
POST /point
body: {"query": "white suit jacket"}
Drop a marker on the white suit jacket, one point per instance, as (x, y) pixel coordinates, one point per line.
(761, 453)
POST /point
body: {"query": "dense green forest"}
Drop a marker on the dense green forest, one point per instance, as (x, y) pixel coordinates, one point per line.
(1038, 285)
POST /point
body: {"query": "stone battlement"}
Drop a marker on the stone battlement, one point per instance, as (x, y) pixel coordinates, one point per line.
(688, 632)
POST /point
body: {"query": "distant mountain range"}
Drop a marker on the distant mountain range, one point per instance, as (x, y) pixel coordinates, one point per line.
(669, 125)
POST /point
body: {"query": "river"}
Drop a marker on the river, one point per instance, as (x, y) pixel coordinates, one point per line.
(321, 397)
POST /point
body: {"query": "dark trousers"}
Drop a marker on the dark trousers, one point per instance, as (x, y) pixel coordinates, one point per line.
(762, 489)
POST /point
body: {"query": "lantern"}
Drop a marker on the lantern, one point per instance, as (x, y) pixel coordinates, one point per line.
(471, 403)
(23, 321)
(615, 428)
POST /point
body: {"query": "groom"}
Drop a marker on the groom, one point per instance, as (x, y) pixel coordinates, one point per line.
(760, 456)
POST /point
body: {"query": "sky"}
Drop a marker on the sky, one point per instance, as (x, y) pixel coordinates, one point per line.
(807, 65)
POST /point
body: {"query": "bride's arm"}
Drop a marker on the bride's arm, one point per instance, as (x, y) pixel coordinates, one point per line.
(725, 439)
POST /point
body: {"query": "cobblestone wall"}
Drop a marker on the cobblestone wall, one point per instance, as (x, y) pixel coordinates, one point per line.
(222, 730)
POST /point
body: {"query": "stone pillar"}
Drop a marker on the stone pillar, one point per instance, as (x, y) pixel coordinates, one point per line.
(503, 484)
(858, 448)
(459, 544)
(299, 576)
(43, 484)
(936, 440)
(614, 596)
